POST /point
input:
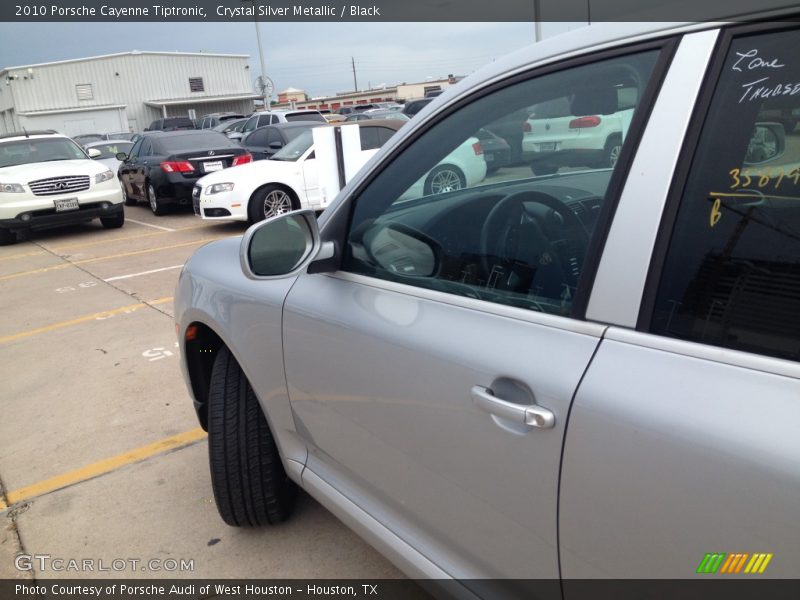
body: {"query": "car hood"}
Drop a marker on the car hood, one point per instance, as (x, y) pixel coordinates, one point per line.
(260, 170)
(57, 168)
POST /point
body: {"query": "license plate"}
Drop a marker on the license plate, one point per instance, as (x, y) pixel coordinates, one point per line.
(213, 166)
(547, 147)
(66, 204)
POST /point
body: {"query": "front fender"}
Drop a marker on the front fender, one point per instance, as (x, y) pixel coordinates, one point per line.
(246, 315)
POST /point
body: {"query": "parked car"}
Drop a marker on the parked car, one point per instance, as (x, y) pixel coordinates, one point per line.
(212, 120)
(120, 135)
(263, 142)
(496, 151)
(86, 138)
(376, 114)
(288, 181)
(586, 375)
(231, 128)
(271, 117)
(105, 152)
(353, 108)
(412, 107)
(566, 132)
(162, 167)
(47, 180)
(171, 124)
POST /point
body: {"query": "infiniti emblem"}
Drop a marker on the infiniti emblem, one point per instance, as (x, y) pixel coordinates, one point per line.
(60, 185)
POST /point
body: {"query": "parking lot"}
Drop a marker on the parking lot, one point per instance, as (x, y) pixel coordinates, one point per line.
(102, 458)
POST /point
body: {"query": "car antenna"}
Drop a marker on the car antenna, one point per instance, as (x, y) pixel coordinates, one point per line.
(27, 135)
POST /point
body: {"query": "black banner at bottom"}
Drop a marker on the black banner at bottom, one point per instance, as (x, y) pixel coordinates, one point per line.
(733, 588)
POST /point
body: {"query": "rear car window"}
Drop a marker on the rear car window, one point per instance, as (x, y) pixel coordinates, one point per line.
(731, 276)
(306, 116)
(206, 139)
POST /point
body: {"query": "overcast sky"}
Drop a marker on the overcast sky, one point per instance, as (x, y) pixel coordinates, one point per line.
(311, 56)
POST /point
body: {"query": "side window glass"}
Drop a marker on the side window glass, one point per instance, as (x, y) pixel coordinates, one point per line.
(250, 124)
(731, 276)
(273, 119)
(384, 133)
(273, 136)
(258, 138)
(369, 138)
(454, 214)
(146, 149)
(135, 150)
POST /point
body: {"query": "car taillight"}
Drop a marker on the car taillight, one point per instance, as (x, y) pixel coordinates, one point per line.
(477, 148)
(177, 166)
(242, 159)
(526, 127)
(584, 122)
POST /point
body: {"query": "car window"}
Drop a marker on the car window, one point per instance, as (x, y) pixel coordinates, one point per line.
(146, 149)
(369, 138)
(250, 124)
(384, 133)
(731, 276)
(36, 150)
(257, 138)
(433, 218)
(273, 136)
(136, 147)
(306, 116)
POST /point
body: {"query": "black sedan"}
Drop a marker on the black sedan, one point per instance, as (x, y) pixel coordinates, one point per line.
(163, 166)
(263, 142)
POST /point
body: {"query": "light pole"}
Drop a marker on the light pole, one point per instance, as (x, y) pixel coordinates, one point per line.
(265, 96)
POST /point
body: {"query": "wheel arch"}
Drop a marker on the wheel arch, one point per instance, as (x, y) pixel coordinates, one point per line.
(200, 353)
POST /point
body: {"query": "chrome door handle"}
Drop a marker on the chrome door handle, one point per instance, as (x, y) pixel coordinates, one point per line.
(530, 414)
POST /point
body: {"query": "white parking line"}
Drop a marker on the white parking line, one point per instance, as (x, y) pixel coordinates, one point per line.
(142, 273)
(149, 224)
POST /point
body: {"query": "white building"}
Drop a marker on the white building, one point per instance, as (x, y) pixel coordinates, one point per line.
(122, 92)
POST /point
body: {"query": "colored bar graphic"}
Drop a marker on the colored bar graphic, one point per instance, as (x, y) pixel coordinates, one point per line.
(765, 563)
(741, 562)
(711, 562)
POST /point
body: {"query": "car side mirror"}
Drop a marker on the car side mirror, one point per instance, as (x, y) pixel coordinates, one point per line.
(94, 153)
(282, 246)
(235, 135)
(767, 143)
(120, 156)
(276, 145)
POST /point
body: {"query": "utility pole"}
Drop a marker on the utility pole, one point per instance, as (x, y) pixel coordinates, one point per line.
(267, 102)
(355, 83)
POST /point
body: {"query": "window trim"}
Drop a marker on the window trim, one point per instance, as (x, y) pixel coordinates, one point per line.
(338, 228)
(686, 158)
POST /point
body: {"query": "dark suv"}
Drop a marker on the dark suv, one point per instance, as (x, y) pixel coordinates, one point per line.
(171, 124)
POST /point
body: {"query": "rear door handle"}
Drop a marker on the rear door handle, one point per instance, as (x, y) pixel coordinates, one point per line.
(530, 414)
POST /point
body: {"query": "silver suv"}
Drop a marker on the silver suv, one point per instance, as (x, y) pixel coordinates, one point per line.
(591, 373)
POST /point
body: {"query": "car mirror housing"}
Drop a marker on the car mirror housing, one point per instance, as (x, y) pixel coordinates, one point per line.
(94, 153)
(282, 246)
(120, 156)
(767, 143)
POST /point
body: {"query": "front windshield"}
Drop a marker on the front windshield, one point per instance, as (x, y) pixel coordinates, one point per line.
(111, 149)
(38, 150)
(296, 148)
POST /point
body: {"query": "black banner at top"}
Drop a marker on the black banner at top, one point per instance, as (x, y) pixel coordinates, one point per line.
(393, 10)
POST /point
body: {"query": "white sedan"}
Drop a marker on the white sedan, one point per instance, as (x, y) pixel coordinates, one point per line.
(289, 180)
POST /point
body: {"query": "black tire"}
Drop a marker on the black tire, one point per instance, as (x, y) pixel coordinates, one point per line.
(7, 237)
(271, 201)
(250, 485)
(114, 221)
(128, 200)
(542, 168)
(152, 201)
(611, 151)
(444, 178)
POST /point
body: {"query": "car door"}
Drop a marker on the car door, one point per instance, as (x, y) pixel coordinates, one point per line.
(140, 169)
(683, 453)
(275, 141)
(126, 169)
(432, 375)
(256, 144)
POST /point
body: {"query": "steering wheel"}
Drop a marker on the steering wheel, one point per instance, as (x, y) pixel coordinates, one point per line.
(555, 243)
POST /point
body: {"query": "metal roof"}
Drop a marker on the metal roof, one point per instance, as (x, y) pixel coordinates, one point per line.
(129, 53)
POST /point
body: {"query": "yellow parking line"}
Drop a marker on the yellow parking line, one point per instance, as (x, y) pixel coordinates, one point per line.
(99, 258)
(118, 239)
(23, 254)
(100, 315)
(105, 466)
